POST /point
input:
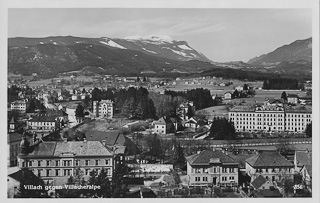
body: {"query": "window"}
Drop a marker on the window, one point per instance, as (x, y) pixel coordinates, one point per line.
(224, 170)
(57, 163)
(87, 171)
(57, 172)
(107, 161)
(197, 178)
(39, 172)
(66, 172)
(30, 163)
(77, 162)
(198, 170)
(224, 178)
(48, 163)
(205, 179)
(48, 172)
(231, 170)
(97, 162)
(231, 178)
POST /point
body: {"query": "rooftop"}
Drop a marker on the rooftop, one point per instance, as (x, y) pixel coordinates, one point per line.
(258, 182)
(43, 119)
(206, 156)
(268, 159)
(111, 138)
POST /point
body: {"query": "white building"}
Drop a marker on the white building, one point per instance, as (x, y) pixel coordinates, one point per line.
(270, 117)
(19, 105)
(104, 108)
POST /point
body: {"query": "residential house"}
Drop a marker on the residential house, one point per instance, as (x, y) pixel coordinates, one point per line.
(43, 124)
(212, 167)
(103, 108)
(55, 161)
(164, 125)
(184, 108)
(227, 95)
(303, 165)
(292, 98)
(261, 183)
(271, 165)
(61, 115)
(16, 176)
(239, 88)
(19, 105)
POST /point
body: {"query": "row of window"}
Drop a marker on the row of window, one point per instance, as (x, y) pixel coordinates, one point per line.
(273, 115)
(273, 170)
(205, 179)
(213, 170)
(67, 163)
(52, 123)
(62, 172)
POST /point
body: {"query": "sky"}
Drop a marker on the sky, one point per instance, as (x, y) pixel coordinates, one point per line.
(220, 34)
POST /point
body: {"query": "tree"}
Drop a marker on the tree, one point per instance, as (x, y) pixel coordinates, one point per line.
(179, 159)
(245, 87)
(284, 96)
(138, 79)
(309, 130)
(235, 94)
(79, 113)
(222, 129)
(144, 79)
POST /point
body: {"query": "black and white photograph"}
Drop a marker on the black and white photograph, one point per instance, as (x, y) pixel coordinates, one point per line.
(161, 99)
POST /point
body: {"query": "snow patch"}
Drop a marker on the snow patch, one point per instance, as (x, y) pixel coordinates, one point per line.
(194, 55)
(185, 47)
(153, 39)
(41, 43)
(112, 44)
(55, 43)
(153, 52)
(177, 52)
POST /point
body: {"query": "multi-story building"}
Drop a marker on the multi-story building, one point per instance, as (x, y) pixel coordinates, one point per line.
(19, 105)
(183, 110)
(56, 161)
(104, 108)
(271, 165)
(212, 167)
(273, 117)
(164, 125)
(43, 124)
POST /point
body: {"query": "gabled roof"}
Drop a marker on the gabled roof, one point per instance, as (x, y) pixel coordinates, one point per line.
(21, 174)
(43, 119)
(268, 159)
(204, 158)
(163, 121)
(44, 149)
(111, 137)
(258, 182)
(13, 120)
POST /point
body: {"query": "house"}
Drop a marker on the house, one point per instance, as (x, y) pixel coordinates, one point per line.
(261, 183)
(270, 164)
(222, 84)
(227, 95)
(191, 123)
(303, 165)
(164, 125)
(16, 176)
(103, 108)
(55, 161)
(19, 105)
(184, 108)
(239, 88)
(61, 115)
(43, 124)
(292, 98)
(212, 167)
(196, 122)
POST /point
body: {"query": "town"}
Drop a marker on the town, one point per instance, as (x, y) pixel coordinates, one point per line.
(147, 136)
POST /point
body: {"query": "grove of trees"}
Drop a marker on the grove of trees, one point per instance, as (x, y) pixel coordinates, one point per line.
(281, 84)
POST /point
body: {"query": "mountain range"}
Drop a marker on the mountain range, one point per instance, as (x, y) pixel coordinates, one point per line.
(136, 55)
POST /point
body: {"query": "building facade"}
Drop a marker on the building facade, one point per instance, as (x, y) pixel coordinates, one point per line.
(269, 164)
(104, 108)
(210, 167)
(270, 118)
(43, 124)
(56, 161)
(19, 105)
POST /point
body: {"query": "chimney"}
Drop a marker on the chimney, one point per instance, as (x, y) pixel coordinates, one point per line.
(65, 139)
(103, 142)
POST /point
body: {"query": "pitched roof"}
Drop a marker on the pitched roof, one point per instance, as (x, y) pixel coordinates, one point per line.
(204, 158)
(79, 148)
(13, 120)
(163, 121)
(258, 182)
(21, 174)
(44, 149)
(267, 193)
(268, 159)
(43, 119)
(113, 137)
